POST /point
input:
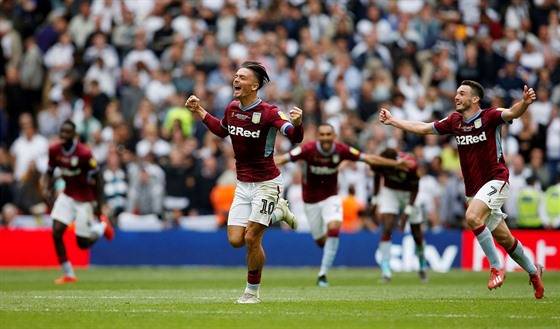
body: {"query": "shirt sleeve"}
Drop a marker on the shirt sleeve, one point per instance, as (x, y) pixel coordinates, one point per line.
(443, 126)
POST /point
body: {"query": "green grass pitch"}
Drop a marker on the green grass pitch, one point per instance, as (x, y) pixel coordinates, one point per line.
(203, 297)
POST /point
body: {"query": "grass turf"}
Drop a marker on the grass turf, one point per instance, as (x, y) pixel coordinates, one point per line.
(201, 297)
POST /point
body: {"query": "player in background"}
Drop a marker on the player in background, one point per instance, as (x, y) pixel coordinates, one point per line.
(398, 197)
(252, 124)
(322, 203)
(478, 136)
(81, 199)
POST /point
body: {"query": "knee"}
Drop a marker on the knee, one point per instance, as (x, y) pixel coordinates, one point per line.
(505, 240)
(473, 221)
(250, 239)
(236, 242)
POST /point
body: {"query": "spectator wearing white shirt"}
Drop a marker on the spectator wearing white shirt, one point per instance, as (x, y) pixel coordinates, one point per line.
(82, 25)
(99, 48)
(106, 13)
(160, 88)
(140, 57)
(59, 59)
(29, 146)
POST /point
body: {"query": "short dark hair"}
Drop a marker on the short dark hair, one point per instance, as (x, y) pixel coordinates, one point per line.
(70, 123)
(476, 87)
(260, 72)
(389, 153)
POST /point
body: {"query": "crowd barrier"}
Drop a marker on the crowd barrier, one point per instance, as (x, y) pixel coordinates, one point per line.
(24, 247)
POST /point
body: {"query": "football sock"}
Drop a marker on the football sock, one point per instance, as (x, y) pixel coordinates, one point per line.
(67, 269)
(385, 247)
(486, 241)
(329, 253)
(419, 251)
(517, 253)
(277, 215)
(253, 282)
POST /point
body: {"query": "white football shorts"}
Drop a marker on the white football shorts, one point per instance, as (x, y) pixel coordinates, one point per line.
(321, 213)
(66, 209)
(494, 195)
(255, 202)
(391, 201)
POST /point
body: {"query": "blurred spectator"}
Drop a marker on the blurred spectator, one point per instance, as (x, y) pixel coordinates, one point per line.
(518, 175)
(452, 199)
(163, 37)
(11, 43)
(48, 32)
(408, 82)
(429, 197)
(8, 214)
(122, 35)
(152, 144)
(351, 212)
(6, 178)
(28, 197)
(223, 192)
(59, 59)
(179, 185)
(177, 118)
(140, 59)
(553, 145)
(32, 73)
(130, 98)
(50, 119)
(160, 88)
(531, 207)
(206, 178)
(369, 53)
(552, 205)
(427, 26)
(98, 100)
(146, 189)
(82, 25)
(88, 125)
(538, 168)
(29, 147)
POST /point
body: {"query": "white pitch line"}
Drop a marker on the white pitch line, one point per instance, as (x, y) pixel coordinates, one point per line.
(477, 316)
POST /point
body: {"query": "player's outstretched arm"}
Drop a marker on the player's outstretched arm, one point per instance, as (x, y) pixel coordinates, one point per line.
(517, 109)
(415, 127)
(377, 160)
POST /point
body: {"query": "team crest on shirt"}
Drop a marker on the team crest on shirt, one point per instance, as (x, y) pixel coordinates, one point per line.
(256, 117)
(74, 161)
(478, 123)
(336, 158)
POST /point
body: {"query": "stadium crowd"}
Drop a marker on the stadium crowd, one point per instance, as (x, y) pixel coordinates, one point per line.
(122, 70)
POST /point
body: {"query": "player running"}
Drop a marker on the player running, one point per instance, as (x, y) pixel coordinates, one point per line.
(252, 125)
(323, 205)
(81, 199)
(397, 197)
(478, 134)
